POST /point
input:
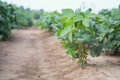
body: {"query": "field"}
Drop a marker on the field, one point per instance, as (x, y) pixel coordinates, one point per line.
(33, 54)
(68, 45)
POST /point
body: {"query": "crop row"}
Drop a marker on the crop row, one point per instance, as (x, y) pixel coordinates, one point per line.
(84, 32)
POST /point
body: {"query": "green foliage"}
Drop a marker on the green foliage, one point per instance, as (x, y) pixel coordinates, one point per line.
(49, 21)
(12, 17)
(112, 20)
(23, 17)
(7, 19)
(83, 33)
(37, 14)
(68, 12)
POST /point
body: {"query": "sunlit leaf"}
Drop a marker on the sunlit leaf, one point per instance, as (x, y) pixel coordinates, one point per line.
(65, 31)
(68, 12)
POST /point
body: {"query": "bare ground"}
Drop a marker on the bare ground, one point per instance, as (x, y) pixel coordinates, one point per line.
(32, 54)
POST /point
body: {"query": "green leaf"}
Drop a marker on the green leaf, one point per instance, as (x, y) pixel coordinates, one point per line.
(70, 37)
(89, 10)
(117, 35)
(65, 31)
(86, 22)
(83, 36)
(86, 37)
(68, 12)
(59, 32)
(91, 15)
(111, 30)
(101, 36)
(71, 52)
(78, 18)
(115, 14)
(77, 11)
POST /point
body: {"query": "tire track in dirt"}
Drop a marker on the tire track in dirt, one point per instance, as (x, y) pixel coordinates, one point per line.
(31, 67)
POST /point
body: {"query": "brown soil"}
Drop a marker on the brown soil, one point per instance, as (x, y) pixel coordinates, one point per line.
(32, 54)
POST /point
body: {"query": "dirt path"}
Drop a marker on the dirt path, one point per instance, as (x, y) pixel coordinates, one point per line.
(32, 54)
